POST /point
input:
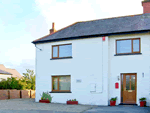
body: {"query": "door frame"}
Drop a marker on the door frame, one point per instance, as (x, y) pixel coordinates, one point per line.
(121, 86)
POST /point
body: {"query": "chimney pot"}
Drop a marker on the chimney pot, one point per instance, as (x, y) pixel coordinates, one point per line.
(146, 6)
(53, 28)
(53, 25)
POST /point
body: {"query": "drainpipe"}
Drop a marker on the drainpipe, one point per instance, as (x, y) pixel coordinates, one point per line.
(102, 71)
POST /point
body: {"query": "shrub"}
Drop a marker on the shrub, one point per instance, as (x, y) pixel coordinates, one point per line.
(113, 99)
(142, 99)
(46, 96)
(72, 100)
(26, 82)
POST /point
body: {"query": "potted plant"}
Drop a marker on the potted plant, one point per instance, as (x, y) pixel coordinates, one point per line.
(113, 101)
(45, 98)
(142, 102)
(73, 101)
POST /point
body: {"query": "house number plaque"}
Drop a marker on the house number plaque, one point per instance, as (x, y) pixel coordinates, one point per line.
(78, 81)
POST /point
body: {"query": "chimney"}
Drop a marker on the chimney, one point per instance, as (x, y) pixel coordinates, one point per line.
(146, 6)
(53, 28)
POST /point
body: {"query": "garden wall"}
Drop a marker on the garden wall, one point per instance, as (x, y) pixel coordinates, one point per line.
(3, 94)
(15, 94)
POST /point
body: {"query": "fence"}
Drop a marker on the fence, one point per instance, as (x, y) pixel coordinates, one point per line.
(15, 94)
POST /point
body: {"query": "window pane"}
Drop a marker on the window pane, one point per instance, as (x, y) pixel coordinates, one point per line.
(65, 50)
(64, 83)
(55, 51)
(127, 82)
(124, 46)
(136, 45)
(55, 83)
(133, 82)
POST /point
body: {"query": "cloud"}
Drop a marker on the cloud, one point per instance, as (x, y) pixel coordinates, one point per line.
(121, 7)
(66, 12)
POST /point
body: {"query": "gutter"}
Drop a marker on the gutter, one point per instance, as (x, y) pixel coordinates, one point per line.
(90, 36)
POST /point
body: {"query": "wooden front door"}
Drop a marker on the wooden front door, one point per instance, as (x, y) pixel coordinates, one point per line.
(129, 88)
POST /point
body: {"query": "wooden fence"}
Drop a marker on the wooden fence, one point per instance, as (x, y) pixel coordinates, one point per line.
(15, 94)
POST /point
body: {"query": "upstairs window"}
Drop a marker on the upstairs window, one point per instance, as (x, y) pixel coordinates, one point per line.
(127, 46)
(62, 51)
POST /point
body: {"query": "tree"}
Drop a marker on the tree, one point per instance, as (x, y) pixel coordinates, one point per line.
(29, 78)
(29, 74)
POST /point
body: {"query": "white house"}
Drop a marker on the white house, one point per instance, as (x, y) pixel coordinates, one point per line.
(96, 60)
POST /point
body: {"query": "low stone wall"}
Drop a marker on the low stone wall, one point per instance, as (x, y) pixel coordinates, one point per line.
(32, 94)
(15, 94)
(3, 94)
(25, 93)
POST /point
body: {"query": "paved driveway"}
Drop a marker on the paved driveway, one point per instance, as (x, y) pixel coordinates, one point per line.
(29, 106)
(119, 109)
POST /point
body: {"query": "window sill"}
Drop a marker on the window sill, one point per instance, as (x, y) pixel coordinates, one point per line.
(128, 54)
(60, 92)
(61, 58)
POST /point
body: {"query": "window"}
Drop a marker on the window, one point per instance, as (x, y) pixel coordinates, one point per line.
(61, 83)
(62, 51)
(128, 46)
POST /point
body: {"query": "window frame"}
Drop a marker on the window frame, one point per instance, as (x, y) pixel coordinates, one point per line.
(58, 76)
(58, 51)
(131, 45)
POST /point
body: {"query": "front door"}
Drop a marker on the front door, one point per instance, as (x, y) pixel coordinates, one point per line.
(129, 88)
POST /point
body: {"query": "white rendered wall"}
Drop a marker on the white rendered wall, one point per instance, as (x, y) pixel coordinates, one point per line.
(130, 64)
(4, 76)
(88, 64)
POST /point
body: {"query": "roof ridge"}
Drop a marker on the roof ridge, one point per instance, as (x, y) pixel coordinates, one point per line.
(10, 68)
(113, 17)
(56, 31)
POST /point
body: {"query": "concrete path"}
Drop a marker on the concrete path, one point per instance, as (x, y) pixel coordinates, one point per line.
(119, 109)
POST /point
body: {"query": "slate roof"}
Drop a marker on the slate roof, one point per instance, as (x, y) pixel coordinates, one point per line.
(99, 27)
(4, 72)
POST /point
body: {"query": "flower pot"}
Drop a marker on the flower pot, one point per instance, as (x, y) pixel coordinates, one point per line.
(112, 103)
(72, 102)
(44, 101)
(142, 103)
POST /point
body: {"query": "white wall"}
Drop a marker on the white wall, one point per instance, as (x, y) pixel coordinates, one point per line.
(4, 76)
(130, 64)
(93, 58)
(87, 64)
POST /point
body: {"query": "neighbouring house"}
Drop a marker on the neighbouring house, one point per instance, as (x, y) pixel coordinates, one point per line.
(4, 75)
(96, 60)
(7, 72)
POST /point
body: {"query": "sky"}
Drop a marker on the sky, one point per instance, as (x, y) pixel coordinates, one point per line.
(22, 21)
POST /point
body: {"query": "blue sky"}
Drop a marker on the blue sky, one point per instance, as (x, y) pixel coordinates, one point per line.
(22, 21)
